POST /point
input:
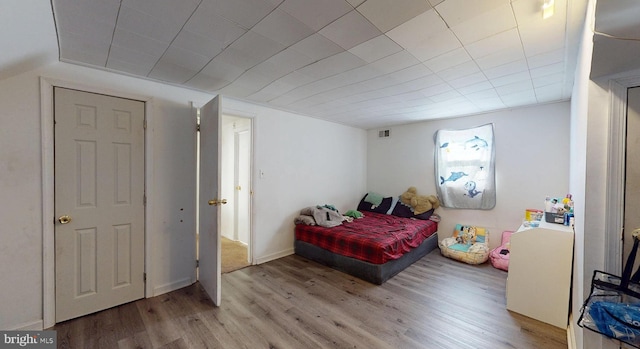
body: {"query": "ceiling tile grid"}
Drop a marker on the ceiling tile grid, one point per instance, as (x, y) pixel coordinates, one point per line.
(364, 63)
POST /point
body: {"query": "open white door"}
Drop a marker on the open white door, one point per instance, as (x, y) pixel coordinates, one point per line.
(209, 245)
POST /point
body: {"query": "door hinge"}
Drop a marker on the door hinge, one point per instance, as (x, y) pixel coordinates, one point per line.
(144, 124)
(144, 277)
(197, 127)
(197, 263)
(144, 199)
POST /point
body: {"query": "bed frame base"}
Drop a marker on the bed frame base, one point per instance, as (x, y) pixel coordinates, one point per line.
(374, 273)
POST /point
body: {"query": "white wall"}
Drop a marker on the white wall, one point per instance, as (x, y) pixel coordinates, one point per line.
(532, 161)
(305, 162)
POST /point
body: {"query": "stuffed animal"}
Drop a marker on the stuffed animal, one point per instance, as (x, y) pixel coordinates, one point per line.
(419, 203)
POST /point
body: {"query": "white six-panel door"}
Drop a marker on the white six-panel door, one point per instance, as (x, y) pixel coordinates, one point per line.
(99, 208)
(209, 272)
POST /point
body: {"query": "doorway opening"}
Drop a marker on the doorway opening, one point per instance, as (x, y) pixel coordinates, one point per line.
(236, 186)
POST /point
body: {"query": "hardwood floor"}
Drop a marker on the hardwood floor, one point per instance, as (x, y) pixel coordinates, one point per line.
(295, 303)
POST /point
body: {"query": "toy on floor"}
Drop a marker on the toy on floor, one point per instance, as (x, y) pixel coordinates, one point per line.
(468, 244)
(499, 256)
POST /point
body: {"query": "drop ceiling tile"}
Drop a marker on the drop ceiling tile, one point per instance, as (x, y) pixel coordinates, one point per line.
(171, 73)
(518, 99)
(283, 63)
(282, 28)
(387, 15)
(537, 39)
(476, 87)
(295, 79)
(105, 11)
(134, 57)
(467, 80)
(436, 90)
(379, 47)
(395, 62)
(249, 50)
(86, 26)
(549, 93)
(252, 79)
(434, 3)
(506, 69)
(332, 65)
(206, 83)
(511, 79)
(127, 67)
(237, 91)
(246, 13)
(133, 41)
(318, 13)
(481, 95)
(485, 24)
(350, 30)
(501, 57)
(435, 46)
(317, 47)
(546, 58)
(547, 70)
(508, 40)
(222, 70)
(353, 76)
(455, 12)
(271, 91)
(410, 73)
(459, 71)
(202, 45)
(448, 60)
(82, 56)
(415, 31)
(355, 3)
(547, 80)
(177, 11)
(207, 23)
(515, 88)
(143, 24)
(80, 46)
(184, 58)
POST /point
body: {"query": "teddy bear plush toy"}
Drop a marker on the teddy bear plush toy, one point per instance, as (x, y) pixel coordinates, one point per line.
(419, 203)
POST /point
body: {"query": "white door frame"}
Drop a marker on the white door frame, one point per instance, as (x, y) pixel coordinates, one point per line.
(253, 121)
(614, 218)
(48, 251)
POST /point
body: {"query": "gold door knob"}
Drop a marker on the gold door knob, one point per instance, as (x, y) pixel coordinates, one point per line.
(238, 188)
(213, 202)
(64, 219)
(223, 201)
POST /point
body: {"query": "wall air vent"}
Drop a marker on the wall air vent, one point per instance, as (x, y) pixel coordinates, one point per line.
(384, 133)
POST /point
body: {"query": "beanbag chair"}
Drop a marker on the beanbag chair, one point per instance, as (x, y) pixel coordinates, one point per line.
(499, 256)
(468, 244)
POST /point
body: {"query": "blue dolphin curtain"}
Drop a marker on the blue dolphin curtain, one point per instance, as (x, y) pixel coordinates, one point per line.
(464, 166)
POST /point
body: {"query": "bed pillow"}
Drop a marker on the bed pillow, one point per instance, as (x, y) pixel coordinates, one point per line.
(405, 211)
(384, 206)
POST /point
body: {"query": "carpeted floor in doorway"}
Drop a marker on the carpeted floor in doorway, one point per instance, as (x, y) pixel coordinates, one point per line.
(234, 255)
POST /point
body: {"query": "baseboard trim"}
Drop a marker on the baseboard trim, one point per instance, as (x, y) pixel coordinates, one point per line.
(274, 256)
(166, 288)
(571, 334)
(37, 325)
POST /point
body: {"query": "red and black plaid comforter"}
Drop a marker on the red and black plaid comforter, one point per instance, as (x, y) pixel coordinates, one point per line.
(376, 238)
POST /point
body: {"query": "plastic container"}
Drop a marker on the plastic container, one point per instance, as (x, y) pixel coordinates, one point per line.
(551, 217)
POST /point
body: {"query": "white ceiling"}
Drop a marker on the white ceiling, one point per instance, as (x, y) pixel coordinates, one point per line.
(363, 63)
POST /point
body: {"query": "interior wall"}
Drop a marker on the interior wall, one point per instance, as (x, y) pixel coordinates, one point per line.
(173, 214)
(305, 161)
(298, 162)
(532, 161)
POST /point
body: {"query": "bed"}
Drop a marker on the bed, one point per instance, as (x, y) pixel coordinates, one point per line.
(373, 248)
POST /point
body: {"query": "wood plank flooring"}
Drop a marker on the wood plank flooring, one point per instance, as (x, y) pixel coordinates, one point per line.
(295, 303)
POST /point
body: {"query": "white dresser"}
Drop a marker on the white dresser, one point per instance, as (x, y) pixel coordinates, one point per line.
(540, 264)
